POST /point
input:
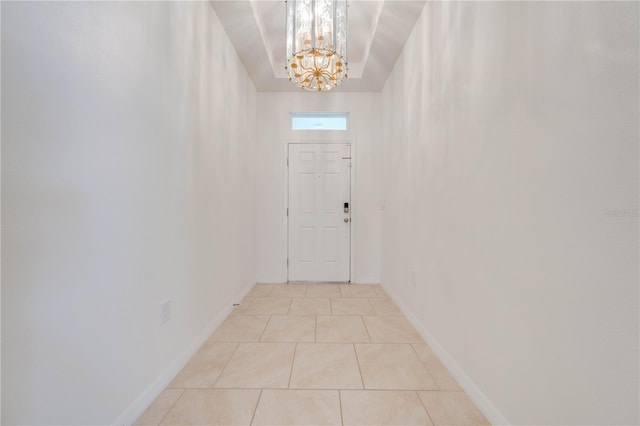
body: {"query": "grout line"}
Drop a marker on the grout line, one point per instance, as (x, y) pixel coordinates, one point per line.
(271, 287)
(322, 389)
(340, 402)
(425, 408)
(335, 389)
(293, 360)
(371, 306)
(213, 386)
(426, 367)
(329, 300)
(253, 415)
(366, 328)
(170, 408)
(359, 368)
(264, 328)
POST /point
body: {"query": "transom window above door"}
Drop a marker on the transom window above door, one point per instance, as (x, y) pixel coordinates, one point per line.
(319, 120)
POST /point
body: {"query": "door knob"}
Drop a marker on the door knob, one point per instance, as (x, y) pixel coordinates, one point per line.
(346, 219)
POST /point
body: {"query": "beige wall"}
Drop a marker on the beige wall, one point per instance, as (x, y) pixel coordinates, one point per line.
(127, 179)
(510, 137)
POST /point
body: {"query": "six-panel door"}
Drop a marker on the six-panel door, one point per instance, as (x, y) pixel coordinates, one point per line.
(319, 228)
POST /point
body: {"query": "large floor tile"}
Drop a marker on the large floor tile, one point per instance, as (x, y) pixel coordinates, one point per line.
(384, 306)
(261, 290)
(391, 329)
(443, 378)
(298, 407)
(452, 408)
(351, 306)
(325, 366)
(310, 306)
(341, 329)
(159, 408)
(382, 408)
(213, 407)
(323, 290)
(289, 290)
(240, 328)
(269, 306)
(302, 353)
(393, 366)
(258, 365)
(203, 369)
(290, 328)
(357, 290)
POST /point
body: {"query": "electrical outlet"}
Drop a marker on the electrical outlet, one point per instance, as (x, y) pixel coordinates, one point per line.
(165, 312)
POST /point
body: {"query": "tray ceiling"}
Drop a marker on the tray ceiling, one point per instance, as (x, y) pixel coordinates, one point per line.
(377, 32)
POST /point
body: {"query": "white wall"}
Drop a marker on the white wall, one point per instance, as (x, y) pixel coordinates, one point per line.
(510, 136)
(127, 179)
(274, 126)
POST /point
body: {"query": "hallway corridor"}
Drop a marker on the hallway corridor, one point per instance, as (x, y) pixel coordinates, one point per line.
(314, 354)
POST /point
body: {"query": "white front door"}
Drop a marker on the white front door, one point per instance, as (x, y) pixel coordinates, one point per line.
(319, 227)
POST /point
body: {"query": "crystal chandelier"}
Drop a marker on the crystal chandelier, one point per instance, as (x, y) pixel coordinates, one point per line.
(317, 43)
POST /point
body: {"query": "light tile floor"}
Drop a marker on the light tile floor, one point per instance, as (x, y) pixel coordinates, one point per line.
(314, 354)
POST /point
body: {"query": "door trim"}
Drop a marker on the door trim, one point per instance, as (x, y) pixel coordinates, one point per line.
(285, 201)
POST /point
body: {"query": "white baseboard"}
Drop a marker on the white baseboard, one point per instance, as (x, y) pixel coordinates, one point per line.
(483, 403)
(149, 395)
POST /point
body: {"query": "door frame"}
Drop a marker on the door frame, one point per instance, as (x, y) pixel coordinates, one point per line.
(285, 201)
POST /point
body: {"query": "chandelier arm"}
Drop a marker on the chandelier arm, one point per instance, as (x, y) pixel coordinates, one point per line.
(306, 68)
(327, 76)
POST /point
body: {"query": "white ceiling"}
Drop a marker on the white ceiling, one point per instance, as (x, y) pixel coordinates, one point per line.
(377, 32)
